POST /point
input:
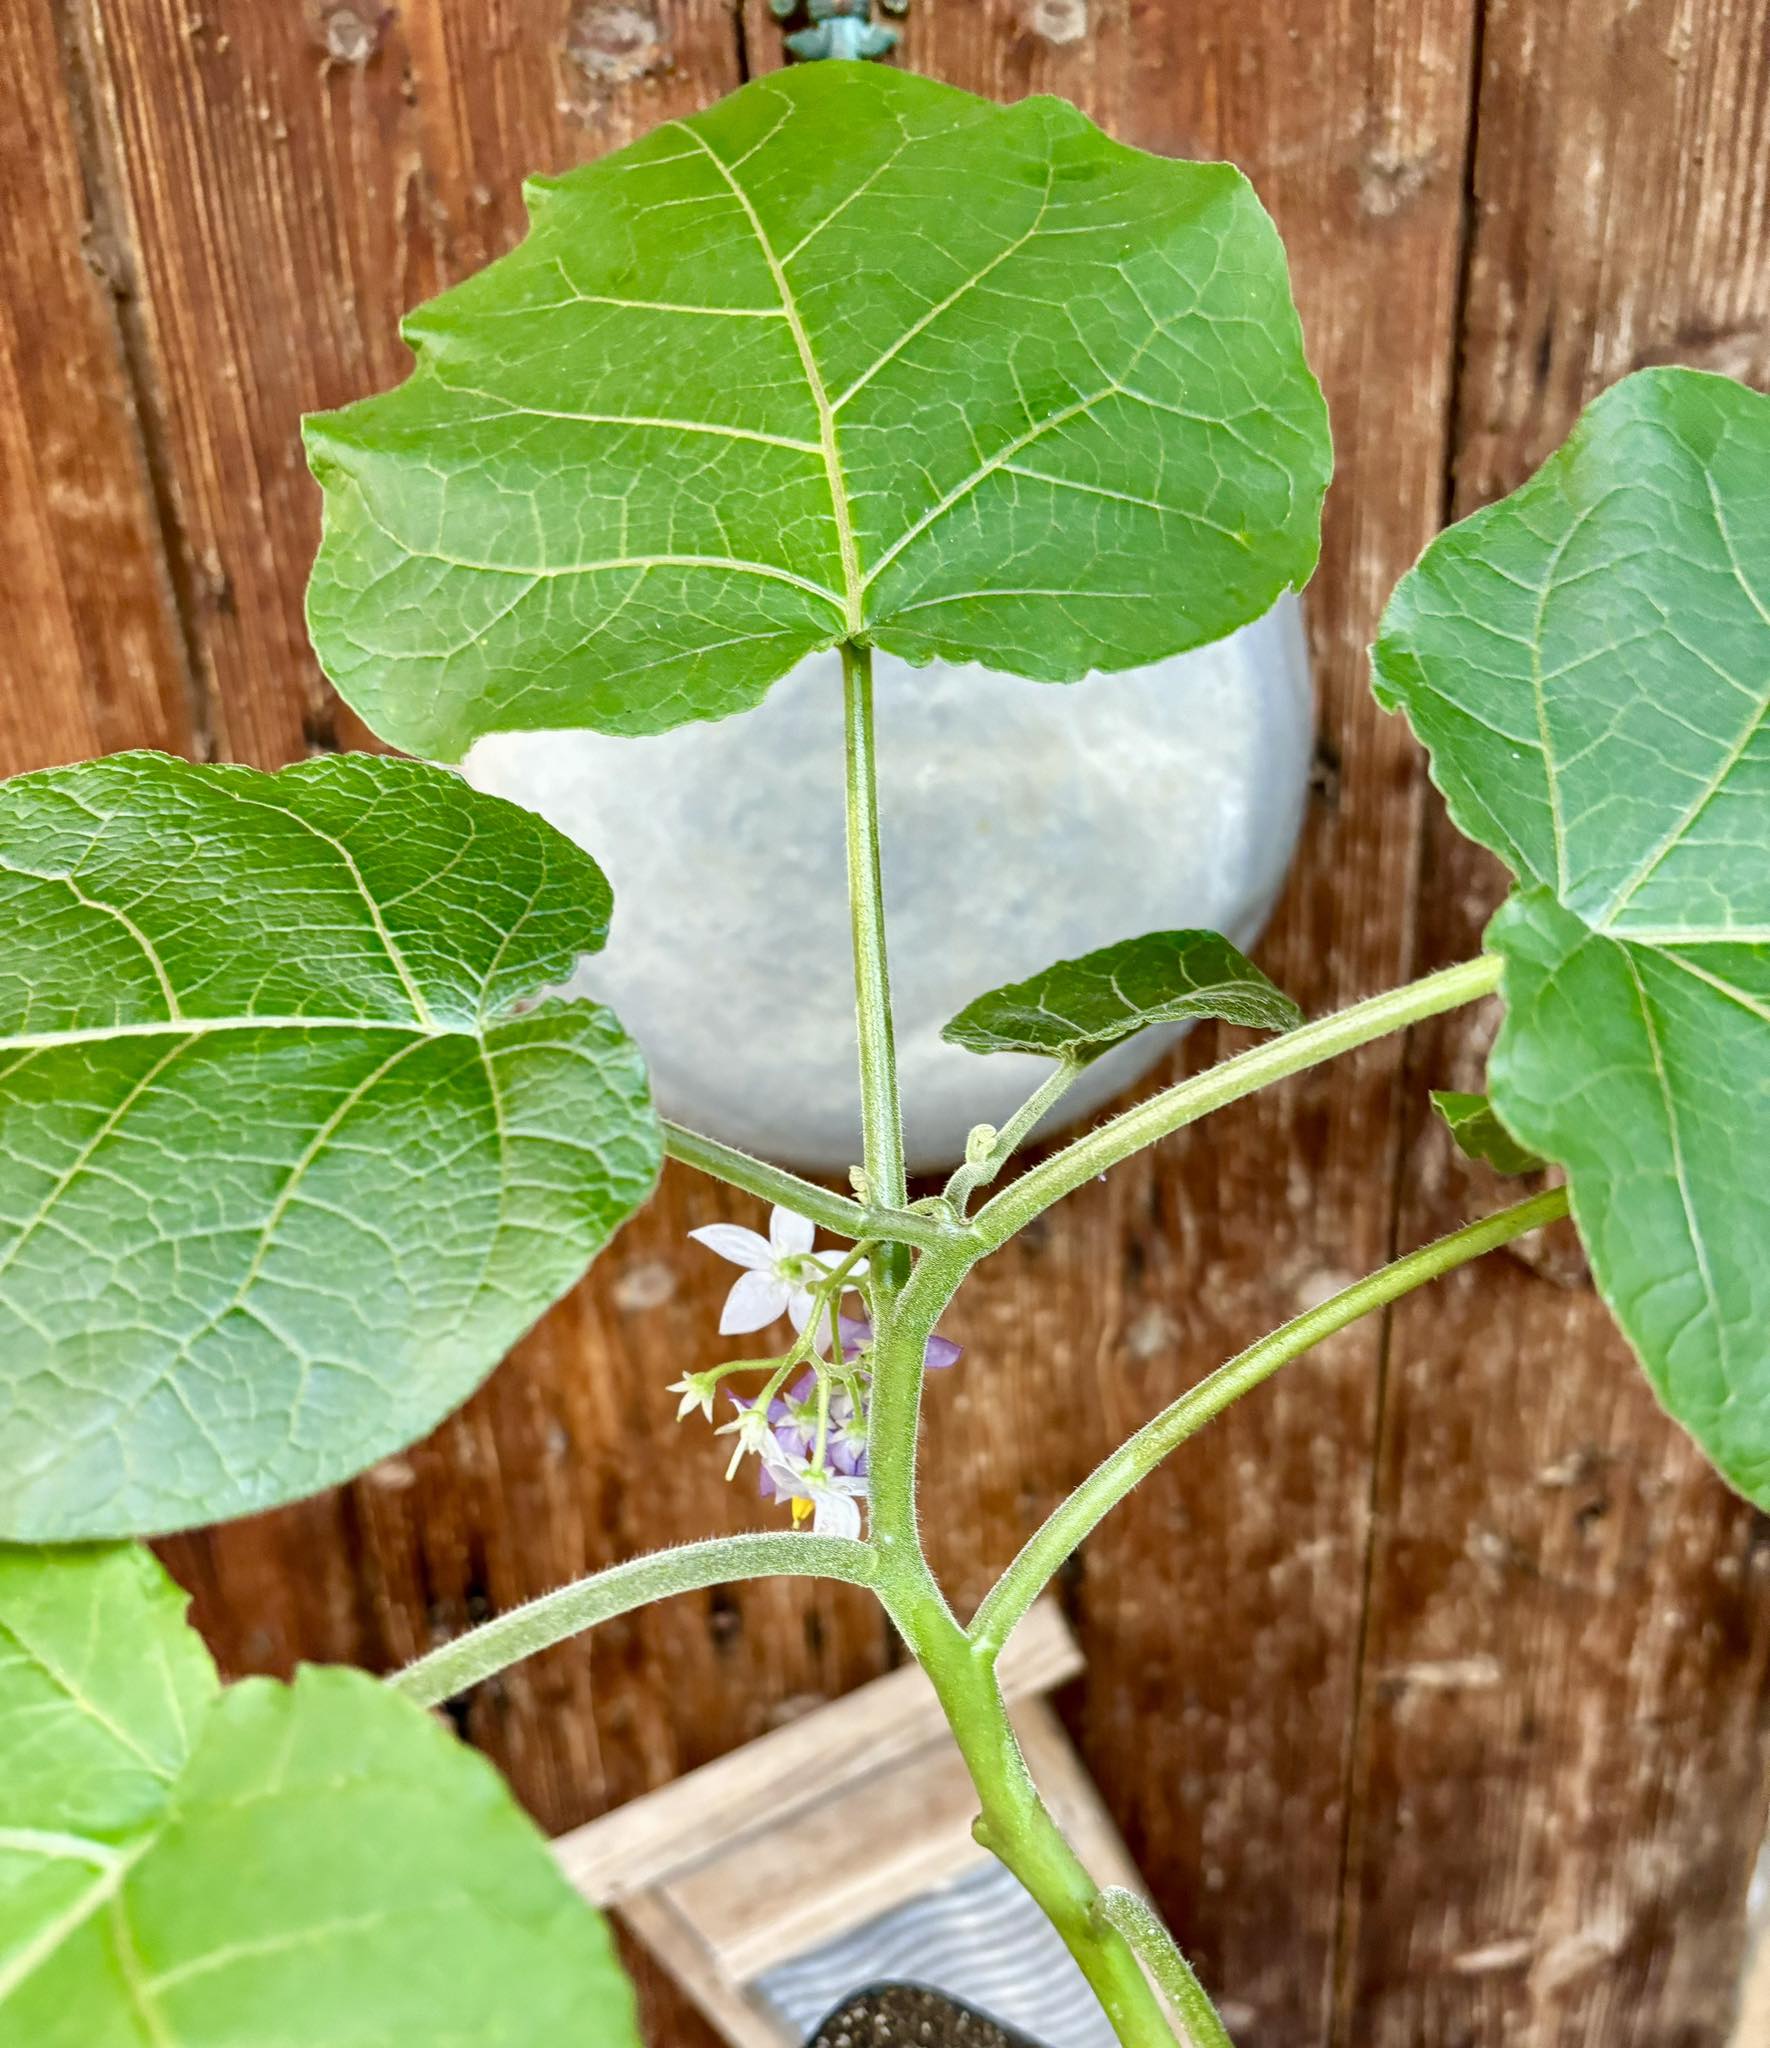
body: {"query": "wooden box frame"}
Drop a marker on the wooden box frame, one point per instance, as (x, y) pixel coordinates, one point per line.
(749, 1861)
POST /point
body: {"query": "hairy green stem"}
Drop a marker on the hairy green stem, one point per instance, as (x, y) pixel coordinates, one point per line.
(897, 1365)
(1141, 1925)
(1144, 1122)
(542, 1623)
(880, 1114)
(1045, 1551)
(975, 1174)
(1014, 1823)
(831, 1212)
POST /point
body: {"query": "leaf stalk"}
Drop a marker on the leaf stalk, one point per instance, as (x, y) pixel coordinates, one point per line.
(881, 1113)
(1044, 1553)
(1144, 1122)
(539, 1624)
(975, 1174)
(832, 1212)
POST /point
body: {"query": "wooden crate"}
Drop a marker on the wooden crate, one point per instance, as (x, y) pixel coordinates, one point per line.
(812, 1831)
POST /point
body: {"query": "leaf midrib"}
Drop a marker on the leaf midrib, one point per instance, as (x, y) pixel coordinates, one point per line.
(843, 511)
(1608, 918)
(1717, 781)
(1680, 1170)
(83, 1703)
(202, 1027)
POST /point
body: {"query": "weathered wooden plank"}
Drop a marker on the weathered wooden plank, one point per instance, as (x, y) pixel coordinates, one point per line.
(1564, 1737)
(1220, 1608)
(293, 178)
(92, 660)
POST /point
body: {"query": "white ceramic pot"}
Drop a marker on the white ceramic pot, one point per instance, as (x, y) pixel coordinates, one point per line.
(1022, 823)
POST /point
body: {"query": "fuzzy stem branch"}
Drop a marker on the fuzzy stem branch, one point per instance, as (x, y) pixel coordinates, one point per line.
(1137, 1920)
(973, 1175)
(1015, 1824)
(549, 1620)
(1045, 1551)
(831, 1212)
(897, 1363)
(1144, 1122)
(881, 1117)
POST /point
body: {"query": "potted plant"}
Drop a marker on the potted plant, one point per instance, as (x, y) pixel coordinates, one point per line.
(294, 1142)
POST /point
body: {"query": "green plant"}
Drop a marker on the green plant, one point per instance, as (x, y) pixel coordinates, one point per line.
(293, 1143)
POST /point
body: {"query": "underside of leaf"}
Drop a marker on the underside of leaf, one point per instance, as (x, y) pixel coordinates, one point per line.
(289, 1155)
(1589, 662)
(1480, 1135)
(756, 384)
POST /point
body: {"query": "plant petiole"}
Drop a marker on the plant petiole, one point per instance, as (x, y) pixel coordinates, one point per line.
(1155, 1117)
(538, 1625)
(1045, 1551)
(979, 1173)
(922, 1226)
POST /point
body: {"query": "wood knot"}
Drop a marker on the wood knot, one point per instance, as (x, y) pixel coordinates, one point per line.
(1058, 21)
(1391, 180)
(348, 35)
(614, 44)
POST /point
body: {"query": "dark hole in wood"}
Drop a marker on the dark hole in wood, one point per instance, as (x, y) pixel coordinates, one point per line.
(906, 2016)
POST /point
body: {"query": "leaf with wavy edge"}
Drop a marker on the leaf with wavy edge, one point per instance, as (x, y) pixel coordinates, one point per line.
(283, 1171)
(1589, 662)
(1078, 1009)
(320, 1865)
(765, 380)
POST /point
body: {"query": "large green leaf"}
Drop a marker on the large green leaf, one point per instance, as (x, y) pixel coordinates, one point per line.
(1078, 1009)
(310, 1866)
(1590, 663)
(283, 1171)
(850, 354)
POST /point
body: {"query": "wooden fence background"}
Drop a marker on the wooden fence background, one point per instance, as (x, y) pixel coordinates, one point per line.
(1430, 1690)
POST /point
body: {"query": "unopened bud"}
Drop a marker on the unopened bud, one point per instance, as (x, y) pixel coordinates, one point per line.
(980, 1144)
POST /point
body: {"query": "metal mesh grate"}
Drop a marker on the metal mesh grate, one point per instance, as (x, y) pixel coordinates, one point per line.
(981, 1940)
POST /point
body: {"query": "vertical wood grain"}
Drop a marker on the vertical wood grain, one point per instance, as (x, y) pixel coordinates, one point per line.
(1564, 1740)
(89, 651)
(1220, 1608)
(294, 176)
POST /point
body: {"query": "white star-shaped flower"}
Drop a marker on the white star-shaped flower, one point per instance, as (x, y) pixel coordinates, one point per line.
(779, 1273)
(697, 1390)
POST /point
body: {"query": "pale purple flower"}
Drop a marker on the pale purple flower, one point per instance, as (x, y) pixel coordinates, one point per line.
(830, 1498)
(786, 1445)
(794, 1421)
(780, 1270)
(846, 1450)
(937, 1355)
(750, 1429)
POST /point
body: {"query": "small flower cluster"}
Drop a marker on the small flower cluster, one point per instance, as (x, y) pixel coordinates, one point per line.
(807, 1429)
